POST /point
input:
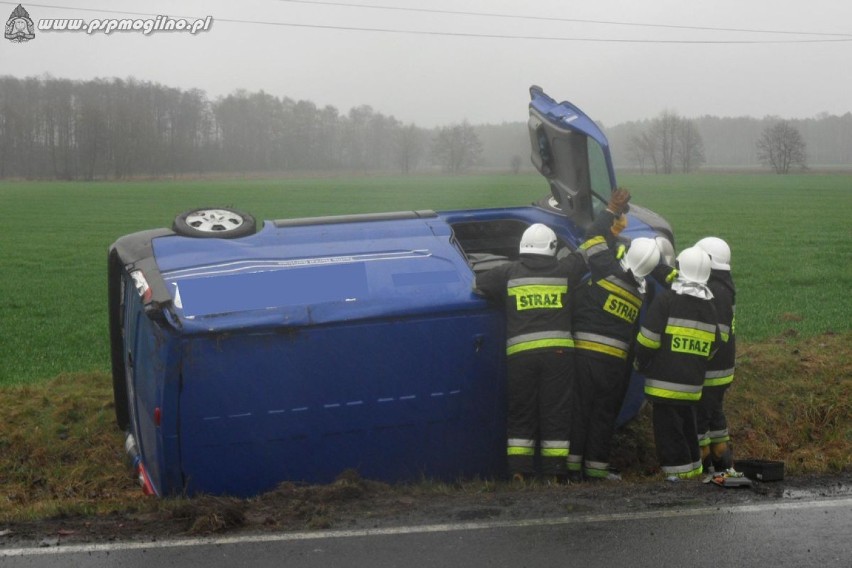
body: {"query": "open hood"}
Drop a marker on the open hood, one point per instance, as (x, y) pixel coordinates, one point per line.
(572, 152)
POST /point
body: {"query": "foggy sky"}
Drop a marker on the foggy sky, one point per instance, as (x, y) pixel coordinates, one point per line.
(432, 79)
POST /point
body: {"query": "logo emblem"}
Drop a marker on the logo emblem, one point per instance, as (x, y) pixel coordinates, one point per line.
(19, 26)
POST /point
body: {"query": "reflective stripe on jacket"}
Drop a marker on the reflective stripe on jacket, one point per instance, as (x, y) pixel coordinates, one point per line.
(601, 344)
(674, 346)
(606, 308)
(535, 292)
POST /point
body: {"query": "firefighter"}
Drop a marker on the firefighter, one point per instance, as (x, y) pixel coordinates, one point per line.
(604, 323)
(535, 292)
(713, 437)
(678, 337)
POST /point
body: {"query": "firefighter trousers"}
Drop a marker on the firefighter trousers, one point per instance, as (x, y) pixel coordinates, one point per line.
(676, 438)
(713, 428)
(599, 388)
(712, 422)
(539, 411)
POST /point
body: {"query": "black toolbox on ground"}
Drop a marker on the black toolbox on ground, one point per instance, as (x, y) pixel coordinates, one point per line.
(761, 470)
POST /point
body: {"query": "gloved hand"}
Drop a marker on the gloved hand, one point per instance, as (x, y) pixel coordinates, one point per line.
(618, 225)
(618, 201)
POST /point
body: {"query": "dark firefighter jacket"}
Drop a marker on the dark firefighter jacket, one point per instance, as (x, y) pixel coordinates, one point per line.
(535, 292)
(720, 371)
(678, 337)
(606, 308)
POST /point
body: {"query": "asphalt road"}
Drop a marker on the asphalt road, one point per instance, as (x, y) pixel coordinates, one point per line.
(795, 533)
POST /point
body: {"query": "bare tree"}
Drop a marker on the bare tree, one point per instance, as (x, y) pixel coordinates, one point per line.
(670, 142)
(641, 151)
(58, 115)
(355, 136)
(517, 161)
(781, 147)
(456, 148)
(689, 147)
(409, 148)
(329, 136)
(304, 150)
(663, 135)
(381, 141)
(91, 120)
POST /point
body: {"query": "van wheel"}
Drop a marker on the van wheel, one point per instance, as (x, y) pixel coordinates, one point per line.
(219, 223)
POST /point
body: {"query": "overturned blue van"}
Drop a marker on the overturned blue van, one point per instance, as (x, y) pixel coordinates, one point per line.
(244, 356)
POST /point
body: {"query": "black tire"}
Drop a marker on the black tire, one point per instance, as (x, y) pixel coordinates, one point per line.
(214, 222)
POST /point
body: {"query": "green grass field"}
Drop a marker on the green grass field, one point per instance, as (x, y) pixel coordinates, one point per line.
(61, 455)
(791, 244)
(790, 237)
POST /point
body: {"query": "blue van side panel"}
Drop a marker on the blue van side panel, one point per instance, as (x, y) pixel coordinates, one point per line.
(309, 403)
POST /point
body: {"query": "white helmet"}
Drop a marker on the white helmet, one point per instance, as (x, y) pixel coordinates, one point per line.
(667, 252)
(538, 239)
(642, 257)
(693, 265)
(719, 251)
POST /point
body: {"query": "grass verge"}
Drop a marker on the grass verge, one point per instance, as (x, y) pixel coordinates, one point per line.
(61, 455)
(789, 236)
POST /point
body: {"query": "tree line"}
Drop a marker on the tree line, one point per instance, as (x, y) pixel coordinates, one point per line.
(668, 144)
(780, 144)
(120, 128)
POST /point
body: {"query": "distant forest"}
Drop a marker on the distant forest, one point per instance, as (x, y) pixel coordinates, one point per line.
(54, 128)
(728, 143)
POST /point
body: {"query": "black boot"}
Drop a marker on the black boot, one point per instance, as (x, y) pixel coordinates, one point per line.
(722, 456)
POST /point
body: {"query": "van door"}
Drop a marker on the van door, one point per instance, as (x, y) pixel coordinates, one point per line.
(572, 152)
